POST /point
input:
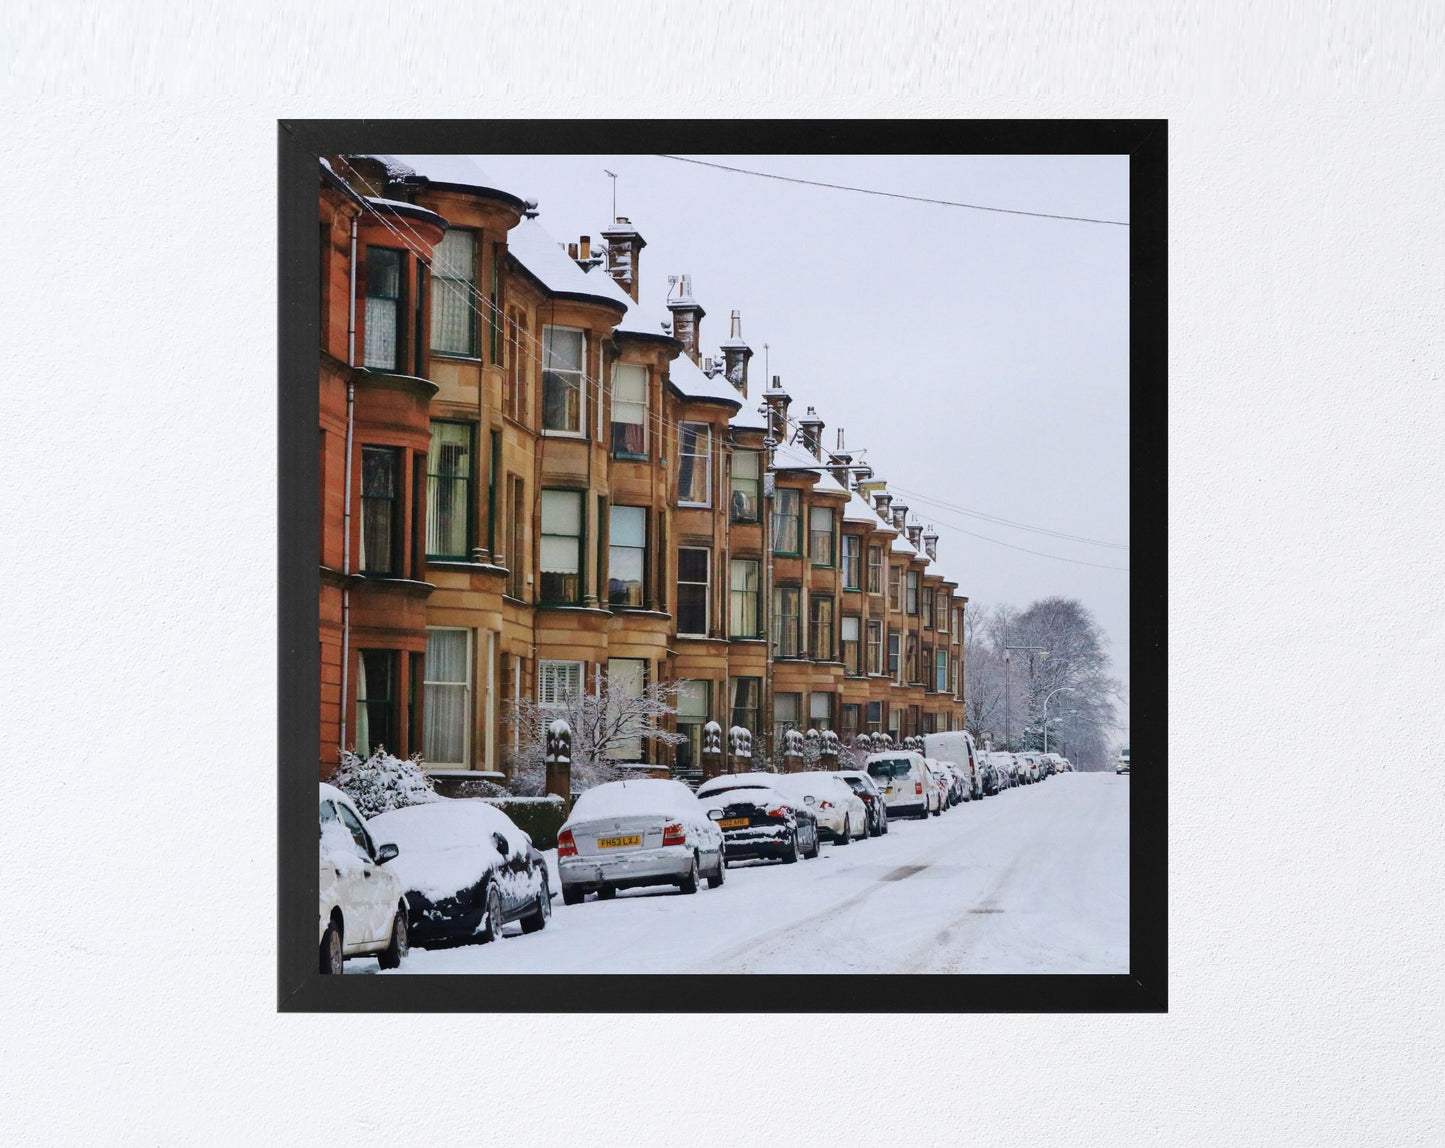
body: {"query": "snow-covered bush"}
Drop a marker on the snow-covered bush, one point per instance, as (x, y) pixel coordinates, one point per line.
(380, 783)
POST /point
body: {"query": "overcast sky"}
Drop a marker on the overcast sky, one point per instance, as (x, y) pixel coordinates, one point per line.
(982, 359)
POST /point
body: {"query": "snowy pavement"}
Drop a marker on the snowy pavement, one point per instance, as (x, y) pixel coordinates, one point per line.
(1034, 880)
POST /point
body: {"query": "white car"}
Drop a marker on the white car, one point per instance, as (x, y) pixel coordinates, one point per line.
(842, 816)
(362, 910)
(644, 832)
(908, 788)
(1028, 767)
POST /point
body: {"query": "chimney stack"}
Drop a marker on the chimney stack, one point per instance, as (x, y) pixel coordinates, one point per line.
(881, 499)
(736, 354)
(915, 535)
(624, 245)
(778, 401)
(686, 317)
(840, 462)
(900, 516)
(930, 543)
(810, 428)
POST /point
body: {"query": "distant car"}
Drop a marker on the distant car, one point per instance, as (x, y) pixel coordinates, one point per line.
(1122, 766)
(904, 780)
(757, 820)
(1028, 768)
(1068, 765)
(362, 910)
(949, 783)
(468, 871)
(649, 831)
(842, 816)
(871, 796)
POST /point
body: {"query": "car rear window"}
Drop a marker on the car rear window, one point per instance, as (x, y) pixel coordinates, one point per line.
(893, 767)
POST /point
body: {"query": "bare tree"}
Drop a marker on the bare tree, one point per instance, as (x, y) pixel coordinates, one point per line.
(607, 729)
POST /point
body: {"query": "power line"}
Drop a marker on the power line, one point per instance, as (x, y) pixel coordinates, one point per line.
(1008, 522)
(1026, 550)
(893, 194)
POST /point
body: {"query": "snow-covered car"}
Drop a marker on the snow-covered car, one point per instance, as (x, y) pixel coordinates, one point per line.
(871, 796)
(758, 821)
(1056, 763)
(1122, 765)
(959, 788)
(842, 816)
(649, 831)
(467, 870)
(362, 910)
(907, 786)
(1028, 767)
(986, 774)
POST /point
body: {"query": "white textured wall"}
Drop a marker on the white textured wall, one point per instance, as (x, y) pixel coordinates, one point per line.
(138, 499)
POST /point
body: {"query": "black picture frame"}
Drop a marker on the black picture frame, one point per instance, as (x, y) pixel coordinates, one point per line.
(300, 988)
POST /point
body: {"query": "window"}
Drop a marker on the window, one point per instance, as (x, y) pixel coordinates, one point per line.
(910, 666)
(820, 711)
(849, 627)
(448, 491)
(929, 723)
(875, 717)
(940, 671)
(820, 536)
(875, 647)
(787, 710)
(558, 682)
(820, 629)
(746, 695)
(875, 569)
(895, 591)
(744, 582)
(453, 331)
(561, 546)
(629, 410)
(376, 701)
(957, 677)
(514, 400)
(895, 720)
(848, 724)
(958, 624)
(693, 705)
(563, 360)
(380, 513)
(927, 609)
(895, 641)
(787, 522)
(852, 562)
(692, 580)
(627, 556)
(913, 592)
(626, 679)
(518, 564)
(448, 707)
(383, 307)
(785, 621)
(694, 464)
(747, 477)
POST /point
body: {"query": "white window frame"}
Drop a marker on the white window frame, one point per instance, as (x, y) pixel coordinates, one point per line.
(470, 692)
(706, 436)
(547, 695)
(445, 284)
(581, 431)
(618, 368)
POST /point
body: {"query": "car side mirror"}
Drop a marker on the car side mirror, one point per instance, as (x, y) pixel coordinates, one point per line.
(501, 844)
(714, 814)
(386, 853)
(809, 799)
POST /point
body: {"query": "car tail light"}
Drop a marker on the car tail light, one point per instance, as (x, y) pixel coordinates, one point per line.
(825, 805)
(781, 812)
(918, 787)
(674, 834)
(566, 846)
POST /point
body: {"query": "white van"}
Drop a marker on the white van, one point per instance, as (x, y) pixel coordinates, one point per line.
(908, 786)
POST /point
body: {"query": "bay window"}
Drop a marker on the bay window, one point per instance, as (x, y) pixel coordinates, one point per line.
(820, 711)
(383, 308)
(875, 647)
(693, 708)
(629, 411)
(940, 671)
(875, 569)
(448, 707)
(453, 331)
(381, 526)
(927, 609)
(849, 627)
(692, 585)
(564, 352)
(558, 682)
(627, 556)
(912, 602)
(787, 522)
(743, 588)
(747, 480)
(375, 701)
(852, 562)
(785, 621)
(820, 629)
(626, 681)
(561, 546)
(895, 642)
(895, 588)
(747, 693)
(787, 713)
(820, 536)
(694, 465)
(448, 491)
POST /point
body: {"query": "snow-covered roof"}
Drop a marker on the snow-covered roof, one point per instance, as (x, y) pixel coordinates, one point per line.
(557, 271)
(748, 418)
(790, 456)
(402, 207)
(695, 383)
(461, 170)
(858, 510)
(901, 545)
(829, 483)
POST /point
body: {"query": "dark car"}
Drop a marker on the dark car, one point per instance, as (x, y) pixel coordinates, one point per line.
(861, 784)
(758, 821)
(467, 870)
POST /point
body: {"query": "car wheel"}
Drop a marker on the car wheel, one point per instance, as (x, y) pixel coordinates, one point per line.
(495, 926)
(391, 956)
(689, 883)
(847, 832)
(817, 846)
(538, 920)
(331, 955)
(573, 895)
(793, 852)
(722, 872)
(606, 892)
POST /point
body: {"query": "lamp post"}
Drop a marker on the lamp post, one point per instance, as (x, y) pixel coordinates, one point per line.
(1051, 693)
(1008, 686)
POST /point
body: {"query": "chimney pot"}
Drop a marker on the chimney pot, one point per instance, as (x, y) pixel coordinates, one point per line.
(572, 250)
(586, 247)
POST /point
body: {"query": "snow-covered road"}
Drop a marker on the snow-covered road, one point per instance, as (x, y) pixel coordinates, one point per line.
(1034, 880)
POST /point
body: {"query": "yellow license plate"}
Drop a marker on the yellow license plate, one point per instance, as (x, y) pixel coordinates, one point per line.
(733, 823)
(618, 842)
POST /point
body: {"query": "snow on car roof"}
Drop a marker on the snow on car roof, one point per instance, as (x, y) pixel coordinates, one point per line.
(734, 781)
(446, 845)
(625, 798)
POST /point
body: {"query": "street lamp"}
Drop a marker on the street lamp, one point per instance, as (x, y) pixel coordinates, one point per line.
(1051, 693)
(1008, 685)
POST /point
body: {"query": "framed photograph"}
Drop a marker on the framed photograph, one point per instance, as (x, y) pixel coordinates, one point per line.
(713, 575)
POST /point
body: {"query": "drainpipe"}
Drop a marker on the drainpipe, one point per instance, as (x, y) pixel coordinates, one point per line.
(346, 511)
(766, 503)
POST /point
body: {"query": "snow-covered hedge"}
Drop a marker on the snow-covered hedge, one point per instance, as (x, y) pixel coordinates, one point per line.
(380, 783)
(538, 817)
